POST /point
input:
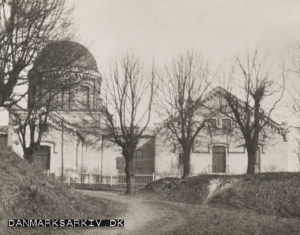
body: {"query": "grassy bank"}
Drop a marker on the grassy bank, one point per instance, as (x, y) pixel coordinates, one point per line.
(26, 193)
(275, 194)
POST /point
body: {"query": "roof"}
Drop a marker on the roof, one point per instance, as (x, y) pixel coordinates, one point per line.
(62, 54)
(221, 91)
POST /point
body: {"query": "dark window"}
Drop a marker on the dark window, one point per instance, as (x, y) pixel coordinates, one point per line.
(41, 97)
(226, 126)
(173, 148)
(43, 156)
(212, 126)
(66, 100)
(180, 160)
(139, 159)
(57, 100)
(44, 127)
(84, 97)
(120, 163)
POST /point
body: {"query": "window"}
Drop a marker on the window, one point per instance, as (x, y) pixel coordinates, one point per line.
(212, 126)
(226, 126)
(41, 97)
(120, 163)
(44, 127)
(180, 160)
(57, 100)
(84, 97)
(139, 159)
(66, 99)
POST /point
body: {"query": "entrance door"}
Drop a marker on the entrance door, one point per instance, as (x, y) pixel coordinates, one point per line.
(43, 154)
(257, 160)
(219, 161)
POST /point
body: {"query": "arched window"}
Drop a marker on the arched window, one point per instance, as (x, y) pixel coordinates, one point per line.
(84, 97)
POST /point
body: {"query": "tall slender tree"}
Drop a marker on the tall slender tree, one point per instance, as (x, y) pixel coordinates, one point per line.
(181, 102)
(26, 26)
(124, 118)
(260, 89)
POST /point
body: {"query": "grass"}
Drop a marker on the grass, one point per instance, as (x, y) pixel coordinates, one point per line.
(26, 193)
(207, 220)
(182, 218)
(276, 194)
(268, 193)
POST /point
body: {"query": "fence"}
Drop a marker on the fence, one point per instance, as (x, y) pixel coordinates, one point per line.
(120, 179)
(71, 177)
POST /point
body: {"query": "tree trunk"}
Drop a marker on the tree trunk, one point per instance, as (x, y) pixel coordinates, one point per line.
(186, 163)
(4, 97)
(29, 152)
(130, 174)
(251, 160)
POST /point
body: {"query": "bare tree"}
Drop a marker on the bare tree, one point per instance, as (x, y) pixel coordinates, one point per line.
(26, 27)
(124, 119)
(182, 105)
(54, 82)
(47, 95)
(260, 92)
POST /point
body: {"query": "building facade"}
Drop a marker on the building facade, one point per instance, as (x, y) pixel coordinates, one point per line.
(64, 148)
(220, 148)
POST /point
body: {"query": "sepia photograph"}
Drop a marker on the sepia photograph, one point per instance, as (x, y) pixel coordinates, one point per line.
(142, 117)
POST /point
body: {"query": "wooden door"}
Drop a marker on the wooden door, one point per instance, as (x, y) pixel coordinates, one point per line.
(219, 161)
(43, 154)
(257, 161)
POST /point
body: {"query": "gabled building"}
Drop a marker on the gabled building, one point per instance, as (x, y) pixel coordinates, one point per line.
(220, 147)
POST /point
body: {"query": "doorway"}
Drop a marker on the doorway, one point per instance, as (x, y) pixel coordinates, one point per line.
(219, 159)
(257, 160)
(43, 154)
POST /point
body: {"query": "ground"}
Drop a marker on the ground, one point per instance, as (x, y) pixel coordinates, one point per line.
(142, 217)
(146, 214)
(152, 216)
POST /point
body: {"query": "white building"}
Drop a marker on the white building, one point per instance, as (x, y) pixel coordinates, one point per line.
(63, 147)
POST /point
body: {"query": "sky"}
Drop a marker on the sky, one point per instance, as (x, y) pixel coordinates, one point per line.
(162, 29)
(159, 30)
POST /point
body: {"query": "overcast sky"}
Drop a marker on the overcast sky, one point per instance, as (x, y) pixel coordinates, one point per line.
(163, 28)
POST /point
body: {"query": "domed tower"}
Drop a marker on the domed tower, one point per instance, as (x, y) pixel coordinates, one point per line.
(65, 75)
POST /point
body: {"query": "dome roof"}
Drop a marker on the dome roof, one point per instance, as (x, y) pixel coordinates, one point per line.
(63, 54)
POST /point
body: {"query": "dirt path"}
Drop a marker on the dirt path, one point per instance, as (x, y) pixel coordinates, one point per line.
(142, 217)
